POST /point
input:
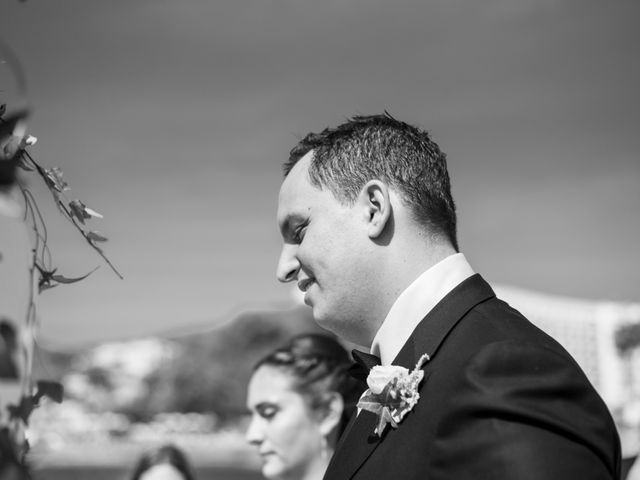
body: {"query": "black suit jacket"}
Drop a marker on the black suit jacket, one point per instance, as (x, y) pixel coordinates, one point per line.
(500, 399)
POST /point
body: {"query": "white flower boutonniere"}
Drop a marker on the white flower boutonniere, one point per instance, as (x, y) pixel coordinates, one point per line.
(392, 393)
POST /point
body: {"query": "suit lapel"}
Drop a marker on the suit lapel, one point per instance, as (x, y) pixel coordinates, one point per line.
(436, 325)
(355, 446)
(358, 441)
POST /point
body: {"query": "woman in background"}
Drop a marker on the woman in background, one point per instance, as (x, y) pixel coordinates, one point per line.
(301, 398)
(166, 462)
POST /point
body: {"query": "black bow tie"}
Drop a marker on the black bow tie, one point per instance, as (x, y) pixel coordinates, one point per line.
(364, 362)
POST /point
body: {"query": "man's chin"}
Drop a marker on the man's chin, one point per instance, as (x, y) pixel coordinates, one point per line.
(339, 327)
(325, 321)
(318, 317)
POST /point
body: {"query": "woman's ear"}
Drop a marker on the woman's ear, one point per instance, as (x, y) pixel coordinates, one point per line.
(332, 413)
(375, 200)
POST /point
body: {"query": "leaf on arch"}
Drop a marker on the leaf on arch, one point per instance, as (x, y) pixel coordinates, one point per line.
(49, 278)
(23, 410)
(96, 236)
(63, 279)
(49, 389)
(46, 278)
(76, 207)
(81, 211)
(54, 180)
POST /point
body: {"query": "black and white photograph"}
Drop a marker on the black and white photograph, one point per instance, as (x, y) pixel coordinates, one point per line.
(294, 240)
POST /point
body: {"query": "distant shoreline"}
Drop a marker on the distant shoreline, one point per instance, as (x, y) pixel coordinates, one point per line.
(207, 451)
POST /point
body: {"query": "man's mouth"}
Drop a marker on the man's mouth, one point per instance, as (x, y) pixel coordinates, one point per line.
(304, 285)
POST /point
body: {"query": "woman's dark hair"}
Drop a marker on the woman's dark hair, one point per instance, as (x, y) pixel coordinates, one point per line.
(317, 365)
(165, 454)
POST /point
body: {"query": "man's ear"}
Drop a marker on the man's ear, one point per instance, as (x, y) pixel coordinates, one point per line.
(332, 414)
(374, 197)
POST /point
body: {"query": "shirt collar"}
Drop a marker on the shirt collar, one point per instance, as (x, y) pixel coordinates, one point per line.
(415, 302)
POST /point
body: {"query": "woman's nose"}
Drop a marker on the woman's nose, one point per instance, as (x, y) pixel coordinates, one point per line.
(288, 264)
(254, 434)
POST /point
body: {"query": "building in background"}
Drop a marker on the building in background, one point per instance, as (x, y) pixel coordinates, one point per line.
(590, 331)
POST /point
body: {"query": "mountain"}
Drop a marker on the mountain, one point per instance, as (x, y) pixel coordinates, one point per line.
(205, 372)
(208, 371)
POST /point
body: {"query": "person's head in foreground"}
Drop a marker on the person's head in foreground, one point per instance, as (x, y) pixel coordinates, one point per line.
(363, 210)
(301, 398)
(166, 462)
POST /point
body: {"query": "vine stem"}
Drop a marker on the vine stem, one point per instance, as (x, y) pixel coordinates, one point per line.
(89, 241)
(27, 380)
(66, 213)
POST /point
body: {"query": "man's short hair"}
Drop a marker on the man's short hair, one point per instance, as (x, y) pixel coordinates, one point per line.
(380, 147)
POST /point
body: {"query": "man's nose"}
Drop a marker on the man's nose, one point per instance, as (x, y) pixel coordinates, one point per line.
(288, 264)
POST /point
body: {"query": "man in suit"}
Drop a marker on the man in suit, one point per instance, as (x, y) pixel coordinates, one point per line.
(369, 230)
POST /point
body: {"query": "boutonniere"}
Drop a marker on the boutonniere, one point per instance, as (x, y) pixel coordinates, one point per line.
(392, 393)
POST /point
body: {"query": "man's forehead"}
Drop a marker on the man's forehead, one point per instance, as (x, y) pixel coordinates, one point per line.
(293, 186)
(300, 171)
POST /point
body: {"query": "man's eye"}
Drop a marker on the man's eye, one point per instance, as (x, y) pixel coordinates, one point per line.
(299, 232)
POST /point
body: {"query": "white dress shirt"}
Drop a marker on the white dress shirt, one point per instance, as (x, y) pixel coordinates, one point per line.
(415, 302)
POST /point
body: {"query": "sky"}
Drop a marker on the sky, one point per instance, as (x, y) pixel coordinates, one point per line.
(172, 120)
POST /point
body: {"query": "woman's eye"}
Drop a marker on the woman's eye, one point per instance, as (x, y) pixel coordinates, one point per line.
(268, 412)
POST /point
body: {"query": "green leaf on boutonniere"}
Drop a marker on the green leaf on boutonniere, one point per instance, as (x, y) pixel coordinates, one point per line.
(386, 417)
(370, 402)
(389, 395)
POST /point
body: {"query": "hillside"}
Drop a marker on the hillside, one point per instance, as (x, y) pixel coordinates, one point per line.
(203, 372)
